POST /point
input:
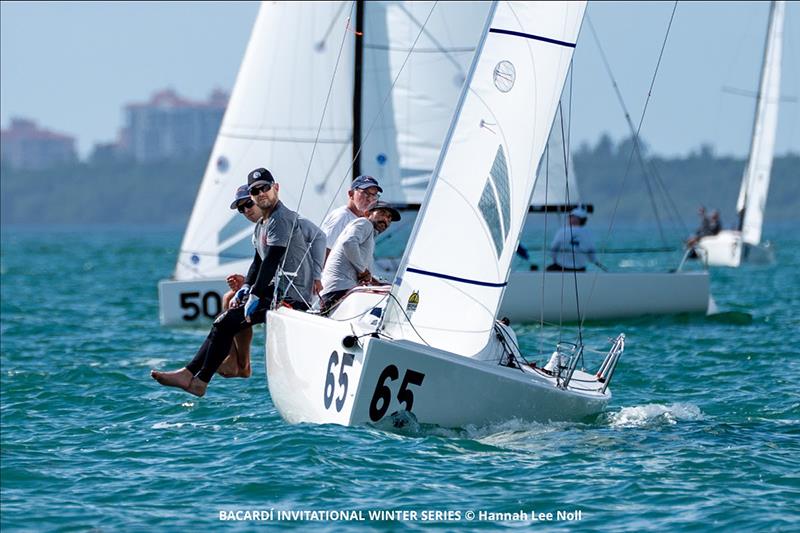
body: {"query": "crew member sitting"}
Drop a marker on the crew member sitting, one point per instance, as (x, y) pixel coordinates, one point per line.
(351, 258)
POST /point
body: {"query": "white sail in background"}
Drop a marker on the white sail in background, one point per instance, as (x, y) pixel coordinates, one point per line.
(554, 185)
(456, 266)
(755, 183)
(425, 49)
(273, 119)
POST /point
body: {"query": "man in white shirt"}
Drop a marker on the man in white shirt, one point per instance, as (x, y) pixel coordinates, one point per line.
(573, 245)
(363, 194)
(350, 260)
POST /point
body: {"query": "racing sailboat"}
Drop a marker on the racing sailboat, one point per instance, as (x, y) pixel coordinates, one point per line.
(731, 248)
(429, 345)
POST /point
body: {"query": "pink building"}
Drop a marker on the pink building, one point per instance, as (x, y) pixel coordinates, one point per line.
(169, 126)
(25, 146)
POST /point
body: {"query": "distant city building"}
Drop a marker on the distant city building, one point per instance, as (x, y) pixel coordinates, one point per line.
(25, 146)
(170, 126)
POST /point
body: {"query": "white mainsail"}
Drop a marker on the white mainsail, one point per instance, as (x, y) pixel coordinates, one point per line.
(424, 49)
(273, 120)
(453, 273)
(755, 183)
(277, 113)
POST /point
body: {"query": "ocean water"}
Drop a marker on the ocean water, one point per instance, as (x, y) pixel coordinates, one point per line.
(703, 431)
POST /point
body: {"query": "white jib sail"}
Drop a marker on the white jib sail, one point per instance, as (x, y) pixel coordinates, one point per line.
(272, 121)
(452, 277)
(755, 183)
(425, 49)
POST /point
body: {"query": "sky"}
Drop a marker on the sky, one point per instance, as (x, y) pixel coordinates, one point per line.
(72, 66)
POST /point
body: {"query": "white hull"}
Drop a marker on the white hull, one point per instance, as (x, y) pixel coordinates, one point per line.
(727, 249)
(185, 303)
(551, 296)
(309, 383)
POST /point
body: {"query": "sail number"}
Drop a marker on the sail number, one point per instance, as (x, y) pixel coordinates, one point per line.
(330, 380)
(382, 396)
(210, 304)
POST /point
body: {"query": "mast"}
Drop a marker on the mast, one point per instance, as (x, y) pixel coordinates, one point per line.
(756, 117)
(357, 87)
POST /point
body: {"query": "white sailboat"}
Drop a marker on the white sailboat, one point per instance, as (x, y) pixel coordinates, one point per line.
(731, 248)
(538, 295)
(430, 345)
(384, 114)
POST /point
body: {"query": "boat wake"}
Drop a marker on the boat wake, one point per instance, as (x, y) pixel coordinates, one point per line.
(653, 415)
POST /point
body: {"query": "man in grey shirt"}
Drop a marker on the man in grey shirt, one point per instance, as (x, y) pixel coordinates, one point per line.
(350, 260)
(279, 235)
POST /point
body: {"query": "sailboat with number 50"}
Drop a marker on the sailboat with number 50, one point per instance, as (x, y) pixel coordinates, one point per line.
(429, 346)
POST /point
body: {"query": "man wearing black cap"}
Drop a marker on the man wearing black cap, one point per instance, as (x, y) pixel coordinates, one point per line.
(350, 260)
(363, 194)
(283, 239)
(237, 363)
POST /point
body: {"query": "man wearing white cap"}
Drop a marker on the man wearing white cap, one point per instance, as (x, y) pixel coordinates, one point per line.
(573, 245)
(363, 194)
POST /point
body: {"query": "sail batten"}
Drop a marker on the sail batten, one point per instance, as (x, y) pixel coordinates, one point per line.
(469, 228)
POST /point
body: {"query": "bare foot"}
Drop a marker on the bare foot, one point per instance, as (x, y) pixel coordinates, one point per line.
(178, 378)
(229, 368)
(197, 387)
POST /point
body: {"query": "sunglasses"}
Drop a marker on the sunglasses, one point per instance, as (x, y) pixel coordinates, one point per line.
(370, 194)
(255, 191)
(245, 205)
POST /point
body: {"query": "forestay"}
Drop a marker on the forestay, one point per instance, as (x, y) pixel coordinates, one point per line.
(456, 266)
(276, 111)
(755, 183)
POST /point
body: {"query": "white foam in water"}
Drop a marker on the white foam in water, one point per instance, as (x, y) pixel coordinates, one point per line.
(645, 415)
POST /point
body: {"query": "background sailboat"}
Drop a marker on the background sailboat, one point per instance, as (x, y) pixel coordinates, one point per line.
(327, 91)
(733, 247)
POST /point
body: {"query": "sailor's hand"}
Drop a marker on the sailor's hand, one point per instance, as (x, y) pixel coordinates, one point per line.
(235, 281)
(250, 306)
(240, 297)
(317, 288)
(364, 277)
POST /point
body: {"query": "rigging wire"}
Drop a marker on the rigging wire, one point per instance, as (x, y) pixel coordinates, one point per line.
(637, 147)
(638, 129)
(361, 144)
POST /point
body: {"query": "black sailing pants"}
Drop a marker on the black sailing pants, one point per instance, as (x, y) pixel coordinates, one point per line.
(218, 344)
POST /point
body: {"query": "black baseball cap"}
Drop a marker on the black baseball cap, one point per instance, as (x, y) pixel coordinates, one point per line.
(258, 177)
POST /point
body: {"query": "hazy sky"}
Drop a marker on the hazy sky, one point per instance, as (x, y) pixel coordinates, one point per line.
(72, 66)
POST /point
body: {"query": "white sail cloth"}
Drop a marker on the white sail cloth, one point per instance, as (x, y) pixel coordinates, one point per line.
(273, 119)
(456, 266)
(277, 116)
(755, 182)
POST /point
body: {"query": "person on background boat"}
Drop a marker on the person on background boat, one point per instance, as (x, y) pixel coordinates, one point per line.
(573, 246)
(237, 363)
(702, 230)
(364, 192)
(280, 242)
(714, 224)
(351, 258)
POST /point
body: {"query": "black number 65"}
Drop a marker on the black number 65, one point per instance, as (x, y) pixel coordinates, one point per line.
(382, 396)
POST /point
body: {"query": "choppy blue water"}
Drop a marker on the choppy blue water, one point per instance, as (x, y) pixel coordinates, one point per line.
(703, 432)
